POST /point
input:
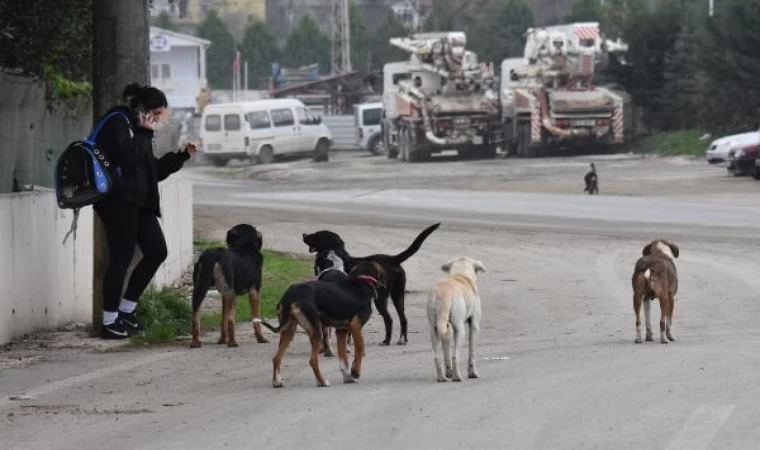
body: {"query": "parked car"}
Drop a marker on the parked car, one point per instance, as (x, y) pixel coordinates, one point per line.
(367, 118)
(262, 130)
(741, 160)
(719, 148)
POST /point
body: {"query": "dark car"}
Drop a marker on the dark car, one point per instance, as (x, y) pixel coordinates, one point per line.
(742, 161)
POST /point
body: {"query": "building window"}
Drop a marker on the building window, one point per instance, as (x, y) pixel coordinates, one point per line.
(154, 72)
(160, 72)
(166, 71)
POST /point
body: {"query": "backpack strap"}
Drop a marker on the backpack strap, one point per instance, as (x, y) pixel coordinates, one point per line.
(73, 229)
(95, 132)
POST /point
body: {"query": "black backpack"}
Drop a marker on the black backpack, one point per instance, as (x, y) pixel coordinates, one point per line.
(83, 173)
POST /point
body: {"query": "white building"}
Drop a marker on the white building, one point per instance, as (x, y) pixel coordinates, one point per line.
(178, 66)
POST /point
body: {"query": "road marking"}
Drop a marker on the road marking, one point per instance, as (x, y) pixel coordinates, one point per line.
(72, 381)
(701, 428)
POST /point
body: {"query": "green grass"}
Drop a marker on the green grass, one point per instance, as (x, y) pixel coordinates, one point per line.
(674, 143)
(166, 314)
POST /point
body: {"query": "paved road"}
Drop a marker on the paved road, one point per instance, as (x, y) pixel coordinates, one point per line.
(558, 364)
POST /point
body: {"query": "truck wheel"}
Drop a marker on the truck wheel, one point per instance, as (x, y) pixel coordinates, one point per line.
(266, 156)
(321, 151)
(390, 152)
(376, 145)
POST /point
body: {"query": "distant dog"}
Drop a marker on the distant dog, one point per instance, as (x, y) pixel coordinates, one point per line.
(344, 305)
(235, 270)
(655, 276)
(395, 274)
(592, 181)
(329, 267)
(454, 303)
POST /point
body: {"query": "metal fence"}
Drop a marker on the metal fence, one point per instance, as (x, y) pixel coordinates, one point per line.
(343, 131)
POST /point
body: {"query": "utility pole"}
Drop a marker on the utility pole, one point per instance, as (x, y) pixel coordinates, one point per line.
(341, 37)
(120, 56)
(712, 7)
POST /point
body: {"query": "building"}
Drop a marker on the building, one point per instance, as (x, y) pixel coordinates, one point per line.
(178, 66)
(235, 13)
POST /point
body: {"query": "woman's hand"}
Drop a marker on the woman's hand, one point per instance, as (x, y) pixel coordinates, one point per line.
(191, 148)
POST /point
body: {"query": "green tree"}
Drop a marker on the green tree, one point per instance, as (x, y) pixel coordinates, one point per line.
(307, 45)
(260, 50)
(164, 21)
(361, 41)
(585, 11)
(221, 52)
(383, 51)
(500, 36)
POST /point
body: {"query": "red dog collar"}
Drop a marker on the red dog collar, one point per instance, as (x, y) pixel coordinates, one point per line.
(368, 278)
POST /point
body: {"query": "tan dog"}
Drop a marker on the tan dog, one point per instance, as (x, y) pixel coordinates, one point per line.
(454, 301)
(655, 276)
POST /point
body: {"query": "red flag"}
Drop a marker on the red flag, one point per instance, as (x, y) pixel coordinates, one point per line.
(236, 64)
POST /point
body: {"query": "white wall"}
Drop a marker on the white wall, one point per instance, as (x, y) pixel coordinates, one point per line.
(185, 83)
(44, 284)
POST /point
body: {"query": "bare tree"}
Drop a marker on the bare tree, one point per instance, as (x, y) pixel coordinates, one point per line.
(121, 55)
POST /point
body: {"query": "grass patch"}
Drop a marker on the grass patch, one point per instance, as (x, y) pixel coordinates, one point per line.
(166, 314)
(674, 143)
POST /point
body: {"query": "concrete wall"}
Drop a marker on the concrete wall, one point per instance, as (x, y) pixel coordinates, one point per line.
(45, 284)
(31, 136)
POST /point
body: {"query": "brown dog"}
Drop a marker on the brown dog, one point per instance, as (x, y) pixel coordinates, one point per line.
(655, 276)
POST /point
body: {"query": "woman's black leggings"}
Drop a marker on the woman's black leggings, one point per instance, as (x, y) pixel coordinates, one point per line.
(127, 226)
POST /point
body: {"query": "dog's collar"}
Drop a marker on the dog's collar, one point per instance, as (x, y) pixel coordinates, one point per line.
(372, 280)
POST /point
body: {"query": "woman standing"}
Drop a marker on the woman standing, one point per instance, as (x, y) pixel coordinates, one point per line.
(131, 210)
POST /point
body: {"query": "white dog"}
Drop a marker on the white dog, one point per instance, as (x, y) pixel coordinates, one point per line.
(453, 301)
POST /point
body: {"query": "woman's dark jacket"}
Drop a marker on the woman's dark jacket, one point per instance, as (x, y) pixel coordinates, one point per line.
(135, 171)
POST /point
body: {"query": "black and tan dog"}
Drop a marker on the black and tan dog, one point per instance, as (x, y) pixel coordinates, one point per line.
(235, 270)
(322, 241)
(655, 276)
(344, 305)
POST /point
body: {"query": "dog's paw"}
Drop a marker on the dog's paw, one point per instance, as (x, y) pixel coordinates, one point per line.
(355, 374)
(350, 380)
(670, 337)
(473, 374)
(449, 373)
(638, 340)
(456, 378)
(221, 341)
(649, 338)
(329, 353)
(233, 344)
(401, 342)
(442, 379)
(195, 344)
(663, 341)
(385, 343)
(277, 384)
(323, 384)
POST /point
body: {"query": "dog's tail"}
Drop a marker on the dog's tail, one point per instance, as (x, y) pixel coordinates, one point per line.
(283, 314)
(415, 247)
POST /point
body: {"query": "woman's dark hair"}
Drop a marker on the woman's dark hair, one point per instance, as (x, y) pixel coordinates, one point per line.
(146, 96)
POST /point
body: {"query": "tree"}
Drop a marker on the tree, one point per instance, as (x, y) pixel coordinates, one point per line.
(164, 21)
(383, 51)
(361, 41)
(500, 36)
(260, 50)
(221, 52)
(585, 11)
(121, 56)
(307, 45)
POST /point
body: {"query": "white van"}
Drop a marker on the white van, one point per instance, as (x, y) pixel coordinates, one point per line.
(367, 119)
(262, 130)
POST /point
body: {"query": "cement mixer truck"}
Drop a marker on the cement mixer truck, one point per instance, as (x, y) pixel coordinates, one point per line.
(550, 97)
(442, 98)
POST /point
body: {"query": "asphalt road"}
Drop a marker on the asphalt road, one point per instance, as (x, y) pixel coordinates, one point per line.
(558, 366)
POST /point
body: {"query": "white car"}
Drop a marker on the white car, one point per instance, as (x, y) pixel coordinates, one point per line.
(720, 148)
(367, 118)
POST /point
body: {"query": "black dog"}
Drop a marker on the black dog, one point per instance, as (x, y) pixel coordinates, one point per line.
(234, 271)
(395, 275)
(345, 305)
(329, 267)
(592, 181)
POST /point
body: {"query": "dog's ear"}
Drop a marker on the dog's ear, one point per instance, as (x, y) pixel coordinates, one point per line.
(447, 266)
(673, 248)
(260, 239)
(479, 266)
(647, 250)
